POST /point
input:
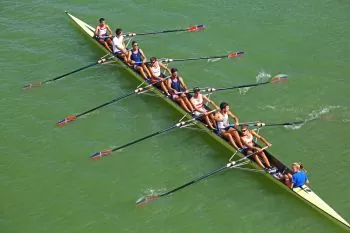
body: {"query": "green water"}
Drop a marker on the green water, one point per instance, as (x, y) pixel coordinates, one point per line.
(49, 185)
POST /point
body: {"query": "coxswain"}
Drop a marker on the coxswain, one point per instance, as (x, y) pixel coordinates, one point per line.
(137, 60)
(101, 34)
(177, 89)
(298, 178)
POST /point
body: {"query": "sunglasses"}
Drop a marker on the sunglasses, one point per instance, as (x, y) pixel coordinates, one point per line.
(244, 130)
(136, 45)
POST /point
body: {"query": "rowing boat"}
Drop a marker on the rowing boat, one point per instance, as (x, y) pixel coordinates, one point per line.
(305, 193)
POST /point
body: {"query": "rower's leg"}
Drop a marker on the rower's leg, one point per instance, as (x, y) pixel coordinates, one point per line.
(207, 121)
(236, 137)
(258, 161)
(182, 103)
(266, 161)
(212, 118)
(162, 84)
(106, 46)
(139, 69)
(144, 67)
(187, 102)
(230, 139)
(288, 180)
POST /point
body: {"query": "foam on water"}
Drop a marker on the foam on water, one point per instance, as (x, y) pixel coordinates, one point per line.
(263, 76)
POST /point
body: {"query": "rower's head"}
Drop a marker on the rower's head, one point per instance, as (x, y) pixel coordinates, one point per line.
(224, 107)
(173, 72)
(102, 21)
(295, 167)
(153, 60)
(118, 31)
(135, 44)
(244, 129)
(196, 91)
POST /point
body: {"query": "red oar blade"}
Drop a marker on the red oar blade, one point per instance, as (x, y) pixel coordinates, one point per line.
(30, 85)
(235, 54)
(64, 121)
(196, 28)
(142, 201)
(99, 155)
(280, 78)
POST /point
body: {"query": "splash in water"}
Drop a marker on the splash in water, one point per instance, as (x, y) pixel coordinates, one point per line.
(244, 90)
(263, 76)
(323, 113)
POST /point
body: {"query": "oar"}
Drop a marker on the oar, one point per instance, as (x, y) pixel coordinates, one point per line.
(136, 91)
(180, 124)
(276, 79)
(262, 124)
(230, 55)
(144, 200)
(189, 29)
(37, 84)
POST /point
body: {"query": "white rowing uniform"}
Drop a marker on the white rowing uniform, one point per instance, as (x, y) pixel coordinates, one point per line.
(222, 125)
(155, 68)
(198, 103)
(102, 31)
(118, 42)
(248, 139)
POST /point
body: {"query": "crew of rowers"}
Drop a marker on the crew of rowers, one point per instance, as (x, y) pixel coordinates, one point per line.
(241, 138)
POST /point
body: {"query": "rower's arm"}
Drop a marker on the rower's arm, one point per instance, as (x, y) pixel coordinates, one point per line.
(183, 83)
(129, 58)
(110, 30)
(261, 138)
(233, 116)
(143, 56)
(96, 31)
(164, 67)
(168, 82)
(213, 104)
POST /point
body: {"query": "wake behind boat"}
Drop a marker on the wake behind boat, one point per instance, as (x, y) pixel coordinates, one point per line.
(304, 192)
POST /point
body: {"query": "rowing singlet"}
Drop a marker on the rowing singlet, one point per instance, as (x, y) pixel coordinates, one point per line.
(136, 57)
(248, 139)
(175, 84)
(117, 42)
(223, 124)
(156, 69)
(198, 102)
(102, 31)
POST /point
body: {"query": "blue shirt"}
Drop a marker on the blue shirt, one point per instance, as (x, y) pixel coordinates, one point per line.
(299, 179)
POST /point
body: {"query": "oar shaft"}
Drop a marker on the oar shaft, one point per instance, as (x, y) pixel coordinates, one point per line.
(241, 86)
(144, 138)
(107, 103)
(72, 72)
(194, 181)
(159, 32)
(286, 123)
(197, 58)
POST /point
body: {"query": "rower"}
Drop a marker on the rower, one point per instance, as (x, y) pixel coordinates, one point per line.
(298, 178)
(224, 129)
(197, 102)
(118, 45)
(137, 59)
(247, 140)
(176, 88)
(101, 34)
(156, 74)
